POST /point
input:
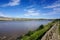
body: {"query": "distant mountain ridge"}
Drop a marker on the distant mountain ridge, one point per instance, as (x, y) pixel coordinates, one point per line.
(22, 19)
(2, 17)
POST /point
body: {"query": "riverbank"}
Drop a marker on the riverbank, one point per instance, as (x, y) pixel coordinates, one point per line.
(21, 19)
(59, 29)
(36, 35)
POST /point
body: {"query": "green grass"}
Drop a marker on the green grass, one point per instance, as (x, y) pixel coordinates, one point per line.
(37, 34)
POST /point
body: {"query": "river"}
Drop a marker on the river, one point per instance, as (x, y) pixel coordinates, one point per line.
(10, 30)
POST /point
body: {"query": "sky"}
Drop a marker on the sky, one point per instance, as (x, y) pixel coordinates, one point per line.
(30, 8)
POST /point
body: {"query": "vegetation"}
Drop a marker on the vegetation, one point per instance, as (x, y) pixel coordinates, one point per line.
(20, 19)
(40, 27)
(59, 26)
(37, 35)
(59, 29)
(29, 33)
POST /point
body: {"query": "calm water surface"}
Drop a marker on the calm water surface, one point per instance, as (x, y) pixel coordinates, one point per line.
(9, 30)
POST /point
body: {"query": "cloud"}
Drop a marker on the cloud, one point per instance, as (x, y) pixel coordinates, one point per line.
(31, 12)
(12, 3)
(3, 15)
(53, 12)
(50, 13)
(55, 7)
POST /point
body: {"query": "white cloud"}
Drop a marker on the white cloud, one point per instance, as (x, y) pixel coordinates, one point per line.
(50, 13)
(55, 7)
(3, 15)
(53, 12)
(31, 12)
(12, 3)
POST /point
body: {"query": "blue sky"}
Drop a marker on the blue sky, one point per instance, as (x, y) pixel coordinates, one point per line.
(30, 8)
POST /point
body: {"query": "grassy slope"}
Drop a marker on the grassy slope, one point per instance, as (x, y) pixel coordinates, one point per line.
(38, 33)
(59, 27)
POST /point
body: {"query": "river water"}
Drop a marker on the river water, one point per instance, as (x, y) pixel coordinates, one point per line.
(10, 30)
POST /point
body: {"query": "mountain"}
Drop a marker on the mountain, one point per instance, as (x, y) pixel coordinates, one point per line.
(2, 17)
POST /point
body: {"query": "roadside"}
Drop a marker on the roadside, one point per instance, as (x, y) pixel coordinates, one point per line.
(59, 29)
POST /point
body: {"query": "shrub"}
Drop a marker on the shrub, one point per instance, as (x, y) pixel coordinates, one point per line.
(29, 33)
(40, 27)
